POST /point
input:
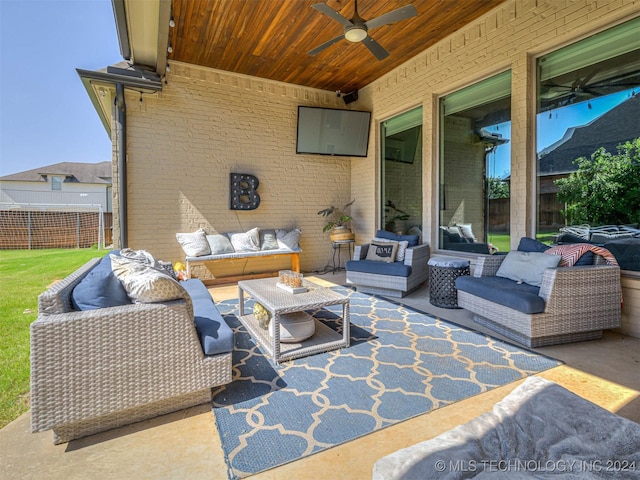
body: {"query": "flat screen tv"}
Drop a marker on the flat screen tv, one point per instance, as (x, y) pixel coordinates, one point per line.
(329, 131)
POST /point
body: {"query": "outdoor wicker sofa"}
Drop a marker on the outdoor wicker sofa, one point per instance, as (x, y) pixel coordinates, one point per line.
(393, 279)
(572, 303)
(98, 369)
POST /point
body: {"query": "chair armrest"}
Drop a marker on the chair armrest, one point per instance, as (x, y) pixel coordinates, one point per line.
(488, 266)
(417, 256)
(360, 251)
(584, 287)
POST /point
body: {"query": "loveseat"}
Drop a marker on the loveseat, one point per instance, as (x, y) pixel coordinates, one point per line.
(528, 297)
(100, 361)
(394, 276)
(202, 248)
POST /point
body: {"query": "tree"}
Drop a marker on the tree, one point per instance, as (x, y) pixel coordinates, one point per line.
(605, 189)
(498, 188)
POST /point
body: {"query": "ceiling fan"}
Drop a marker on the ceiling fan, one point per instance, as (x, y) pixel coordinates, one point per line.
(357, 29)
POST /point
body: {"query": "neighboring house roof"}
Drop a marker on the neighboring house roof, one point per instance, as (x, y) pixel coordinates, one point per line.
(99, 173)
(617, 126)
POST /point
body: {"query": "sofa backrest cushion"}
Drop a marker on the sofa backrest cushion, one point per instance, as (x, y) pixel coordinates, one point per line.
(412, 239)
(532, 245)
(527, 267)
(522, 297)
(100, 288)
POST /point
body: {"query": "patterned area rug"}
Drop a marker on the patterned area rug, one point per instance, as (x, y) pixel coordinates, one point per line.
(401, 363)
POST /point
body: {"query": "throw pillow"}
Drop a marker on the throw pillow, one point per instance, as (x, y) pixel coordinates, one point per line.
(246, 242)
(531, 245)
(100, 288)
(402, 248)
(382, 251)
(527, 267)
(219, 244)
(145, 283)
(268, 240)
(288, 239)
(194, 244)
(467, 231)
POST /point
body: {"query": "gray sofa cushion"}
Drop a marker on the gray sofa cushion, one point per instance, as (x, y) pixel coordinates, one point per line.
(215, 335)
(396, 269)
(522, 297)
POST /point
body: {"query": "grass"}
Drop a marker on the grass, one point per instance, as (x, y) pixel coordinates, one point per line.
(25, 274)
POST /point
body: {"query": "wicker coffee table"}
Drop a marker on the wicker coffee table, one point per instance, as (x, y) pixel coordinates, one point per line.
(279, 302)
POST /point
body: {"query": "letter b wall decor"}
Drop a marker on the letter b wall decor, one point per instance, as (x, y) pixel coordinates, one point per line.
(242, 192)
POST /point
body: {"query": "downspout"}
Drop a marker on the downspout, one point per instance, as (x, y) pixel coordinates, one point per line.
(121, 148)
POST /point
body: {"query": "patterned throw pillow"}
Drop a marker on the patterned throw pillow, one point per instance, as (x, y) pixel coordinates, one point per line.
(194, 244)
(145, 283)
(402, 248)
(382, 251)
(246, 242)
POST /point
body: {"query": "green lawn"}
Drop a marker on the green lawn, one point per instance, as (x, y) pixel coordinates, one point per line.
(24, 274)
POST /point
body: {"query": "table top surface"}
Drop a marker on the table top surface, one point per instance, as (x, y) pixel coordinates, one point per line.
(277, 299)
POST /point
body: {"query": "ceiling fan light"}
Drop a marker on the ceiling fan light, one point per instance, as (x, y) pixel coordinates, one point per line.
(355, 34)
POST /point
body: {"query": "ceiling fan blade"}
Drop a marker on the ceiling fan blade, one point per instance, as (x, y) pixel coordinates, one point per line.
(402, 13)
(329, 12)
(320, 48)
(378, 50)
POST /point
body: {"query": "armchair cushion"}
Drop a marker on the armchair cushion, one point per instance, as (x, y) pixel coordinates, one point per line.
(396, 269)
(519, 296)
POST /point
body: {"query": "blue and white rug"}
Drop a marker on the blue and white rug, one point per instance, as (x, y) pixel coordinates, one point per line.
(401, 363)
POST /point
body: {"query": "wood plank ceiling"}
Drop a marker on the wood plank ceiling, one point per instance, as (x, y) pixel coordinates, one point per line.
(271, 38)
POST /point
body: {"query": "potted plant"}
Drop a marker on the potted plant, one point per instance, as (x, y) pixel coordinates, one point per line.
(392, 215)
(338, 222)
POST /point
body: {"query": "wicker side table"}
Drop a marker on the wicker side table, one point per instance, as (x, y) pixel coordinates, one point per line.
(443, 272)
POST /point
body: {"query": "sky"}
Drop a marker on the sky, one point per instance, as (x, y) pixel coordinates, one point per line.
(46, 116)
(550, 130)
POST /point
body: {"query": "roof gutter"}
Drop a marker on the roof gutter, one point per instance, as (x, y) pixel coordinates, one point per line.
(121, 149)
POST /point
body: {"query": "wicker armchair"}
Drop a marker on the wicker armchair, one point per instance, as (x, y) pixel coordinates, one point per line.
(579, 303)
(390, 285)
(99, 369)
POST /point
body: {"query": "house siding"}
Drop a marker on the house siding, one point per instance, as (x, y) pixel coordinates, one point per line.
(183, 143)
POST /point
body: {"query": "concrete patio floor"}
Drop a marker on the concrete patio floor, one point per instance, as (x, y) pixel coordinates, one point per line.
(185, 444)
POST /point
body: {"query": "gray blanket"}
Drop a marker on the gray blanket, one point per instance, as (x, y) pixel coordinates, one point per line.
(540, 430)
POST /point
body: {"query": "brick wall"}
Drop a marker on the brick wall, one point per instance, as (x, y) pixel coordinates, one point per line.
(183, 142)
